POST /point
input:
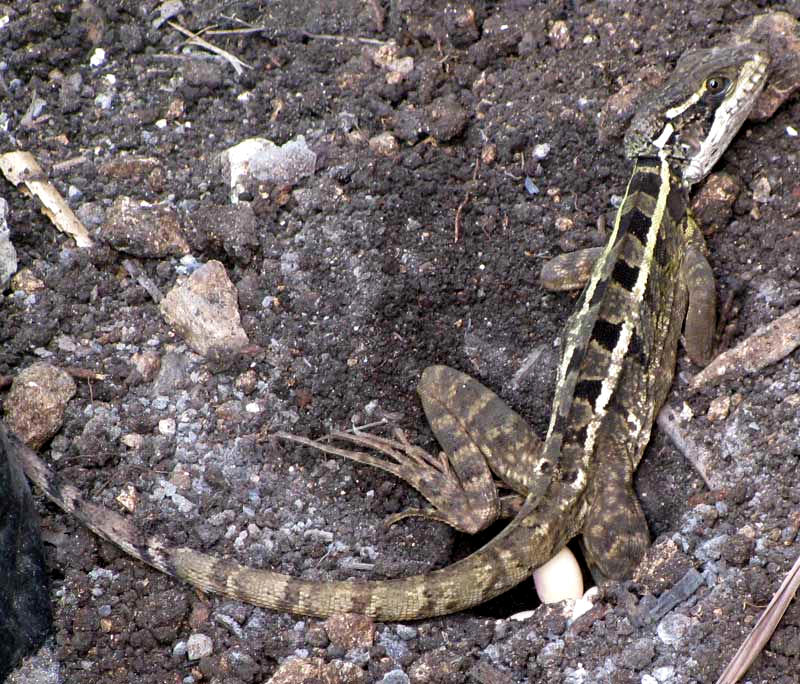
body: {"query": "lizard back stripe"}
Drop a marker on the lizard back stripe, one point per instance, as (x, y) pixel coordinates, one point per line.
(627, 331)
(585, 314)
(625, 275)
(606, 333)
(635, 222)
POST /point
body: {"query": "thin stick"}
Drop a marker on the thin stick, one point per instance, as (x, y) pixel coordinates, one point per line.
(457, 226)
(356, 39)
(194, 39)
(763, 629)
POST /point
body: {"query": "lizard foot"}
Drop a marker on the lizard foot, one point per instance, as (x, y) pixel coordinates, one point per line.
(431, 476)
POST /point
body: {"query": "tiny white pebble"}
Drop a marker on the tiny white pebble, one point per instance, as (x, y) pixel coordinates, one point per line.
(98, 57)
(559, 579)
(791, 131)
(522, 615)
(198, 646)
(584, 604)
(541, 151)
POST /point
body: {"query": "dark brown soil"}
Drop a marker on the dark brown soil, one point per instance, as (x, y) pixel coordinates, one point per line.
(353, 286)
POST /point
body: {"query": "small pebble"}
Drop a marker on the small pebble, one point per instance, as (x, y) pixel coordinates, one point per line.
(198, 646)
(673, 628)
(98, 57)
(541, 151)
(530, 187)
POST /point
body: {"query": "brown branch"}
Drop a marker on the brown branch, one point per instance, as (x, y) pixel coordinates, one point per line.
(457, 227)
(763, 629)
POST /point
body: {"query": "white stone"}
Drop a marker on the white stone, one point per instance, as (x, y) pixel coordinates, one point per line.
(198, 646)
(263, 160)
(98, 57)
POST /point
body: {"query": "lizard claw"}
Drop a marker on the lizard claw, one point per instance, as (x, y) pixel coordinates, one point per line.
(428, 513)
(431, 476)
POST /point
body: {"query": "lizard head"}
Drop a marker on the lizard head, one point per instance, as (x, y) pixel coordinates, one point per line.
(693, 116)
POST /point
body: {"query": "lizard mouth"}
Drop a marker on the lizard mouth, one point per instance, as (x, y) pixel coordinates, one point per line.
(688, 145)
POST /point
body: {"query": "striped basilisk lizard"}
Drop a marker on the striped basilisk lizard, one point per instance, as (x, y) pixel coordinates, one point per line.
(616, 367)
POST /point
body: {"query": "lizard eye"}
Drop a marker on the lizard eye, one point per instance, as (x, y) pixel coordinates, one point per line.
(716, 85)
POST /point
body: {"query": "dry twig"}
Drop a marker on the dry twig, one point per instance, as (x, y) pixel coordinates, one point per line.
(457, 226)
(763, 629)
(85, 373)
(768, 344)
(670, 423)
(21, 167)
(195, 39)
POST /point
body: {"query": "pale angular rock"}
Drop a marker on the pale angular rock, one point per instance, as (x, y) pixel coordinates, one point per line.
(719, 408)
(25, 281)
(350, 631)
(36, 403)
(384, 143)
(262, 160)
(147, 364)
(203, 309)
(300, 670)
(198, 646)
(559, 34)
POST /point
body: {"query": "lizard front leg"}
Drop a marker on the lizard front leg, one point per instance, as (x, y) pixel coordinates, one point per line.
(701, 312)
(480, 435)
(571, 270)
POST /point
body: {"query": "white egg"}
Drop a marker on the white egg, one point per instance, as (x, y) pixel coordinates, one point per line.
(559, 579)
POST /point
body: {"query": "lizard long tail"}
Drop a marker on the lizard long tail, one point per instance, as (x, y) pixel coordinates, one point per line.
(498, 566)
(528, 541)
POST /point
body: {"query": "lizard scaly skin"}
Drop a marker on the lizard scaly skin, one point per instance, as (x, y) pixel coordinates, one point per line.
(616, 368)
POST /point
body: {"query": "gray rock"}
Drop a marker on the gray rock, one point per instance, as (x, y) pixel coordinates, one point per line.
(262, 160)
(198, 646)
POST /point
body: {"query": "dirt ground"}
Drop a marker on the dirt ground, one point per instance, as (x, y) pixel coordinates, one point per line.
(349, 286)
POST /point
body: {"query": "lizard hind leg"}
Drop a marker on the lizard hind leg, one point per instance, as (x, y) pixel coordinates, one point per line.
(431, 476)
(615, 535)
(479, 434)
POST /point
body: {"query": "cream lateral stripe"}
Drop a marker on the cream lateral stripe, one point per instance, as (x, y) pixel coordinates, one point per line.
(623, 344)
(677, 110)
(596, 277)
(666, 134)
